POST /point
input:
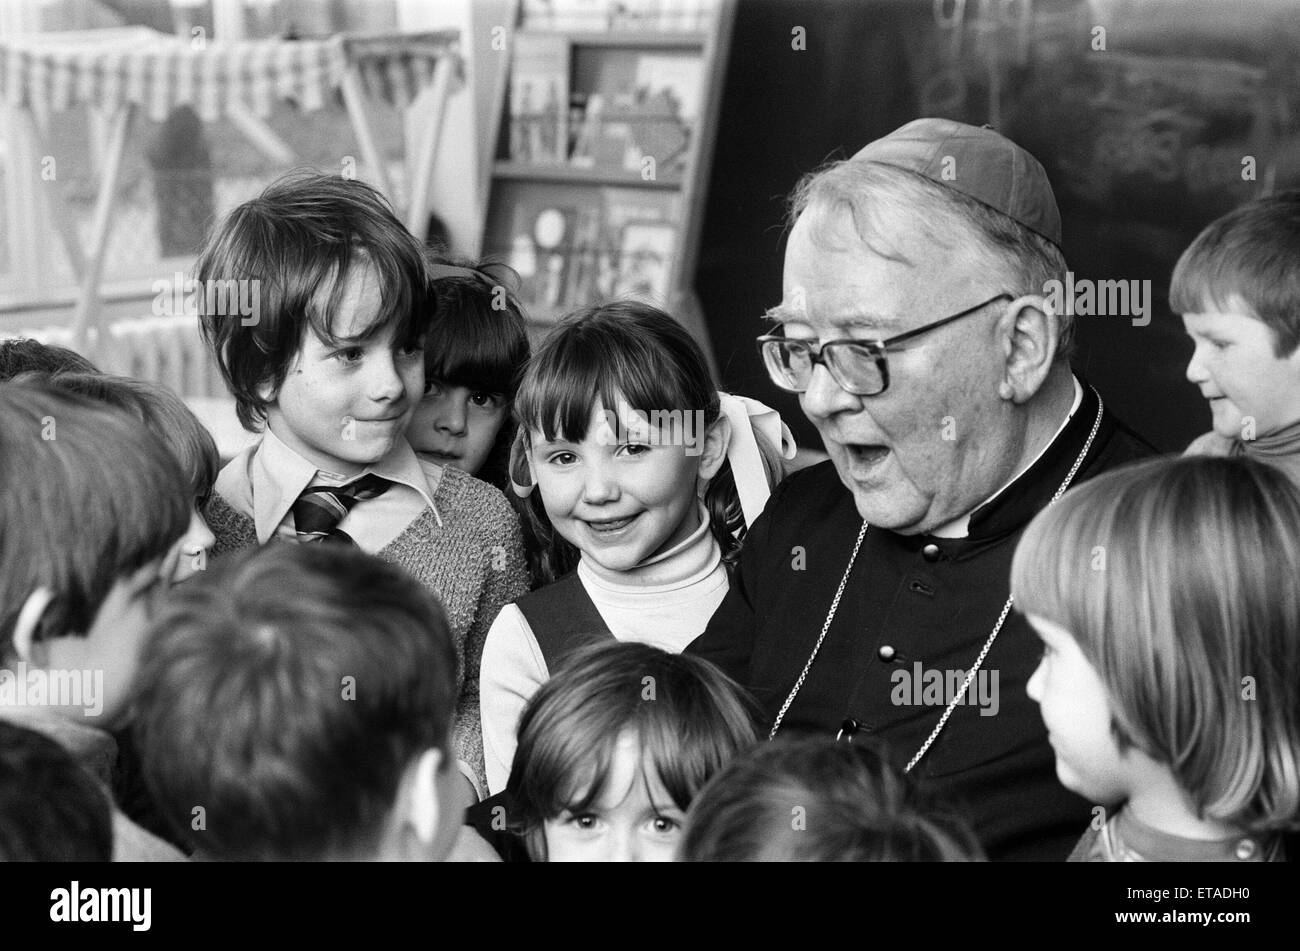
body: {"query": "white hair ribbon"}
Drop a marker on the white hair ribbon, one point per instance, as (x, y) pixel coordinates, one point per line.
(748, 416)
(521, 475)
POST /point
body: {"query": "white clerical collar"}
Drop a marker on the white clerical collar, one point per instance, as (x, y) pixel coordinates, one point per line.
(960, 527)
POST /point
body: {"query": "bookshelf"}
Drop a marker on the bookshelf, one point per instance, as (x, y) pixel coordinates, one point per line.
(603, 153)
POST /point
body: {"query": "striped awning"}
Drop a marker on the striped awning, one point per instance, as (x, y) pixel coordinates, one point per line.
(157, 72)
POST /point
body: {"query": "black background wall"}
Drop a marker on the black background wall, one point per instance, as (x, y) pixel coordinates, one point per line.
(1144, 142)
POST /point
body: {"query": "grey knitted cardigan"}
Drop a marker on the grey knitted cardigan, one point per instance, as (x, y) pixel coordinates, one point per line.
(474, 563)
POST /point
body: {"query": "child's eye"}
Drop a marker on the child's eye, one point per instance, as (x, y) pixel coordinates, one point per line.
(583, 820)
(486, 400)
(636, 449)
(349, 355)
(563, 458)
(663, 825)
(412, 349)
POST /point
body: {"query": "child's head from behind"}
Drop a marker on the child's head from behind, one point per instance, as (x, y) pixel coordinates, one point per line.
(624, 430)
(313, 726)
(332, 358)
(475, 352)
(1237, 287)
(813, 799)
(51, 810)
(23, 355)
(92, 503)
(1165, 597)
(613, 748)
(165, 415)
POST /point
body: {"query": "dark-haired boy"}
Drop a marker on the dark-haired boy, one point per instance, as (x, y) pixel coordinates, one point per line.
(316, 728)
(24, 355)
(92, 511)
(330, 368)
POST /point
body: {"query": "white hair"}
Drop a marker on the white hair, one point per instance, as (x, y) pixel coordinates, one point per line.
(1025, 260)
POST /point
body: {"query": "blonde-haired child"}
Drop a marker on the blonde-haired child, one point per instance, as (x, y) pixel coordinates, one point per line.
(1165, 595)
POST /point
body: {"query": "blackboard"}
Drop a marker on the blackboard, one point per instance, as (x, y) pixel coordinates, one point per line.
(1152, 118)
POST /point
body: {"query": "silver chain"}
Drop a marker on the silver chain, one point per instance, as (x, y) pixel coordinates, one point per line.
(988, 644)
(862, 533)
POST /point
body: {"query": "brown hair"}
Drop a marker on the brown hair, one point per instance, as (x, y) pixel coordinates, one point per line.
(164, 414)
(89, 497)
(244, 702)
(298, 243)
(1253, 253)
(1026, 261)
(689, 716)
(813, 799)
(635, 352)
(1177, 578)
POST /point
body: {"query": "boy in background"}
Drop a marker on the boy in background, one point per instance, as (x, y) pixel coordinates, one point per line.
(1237, 287)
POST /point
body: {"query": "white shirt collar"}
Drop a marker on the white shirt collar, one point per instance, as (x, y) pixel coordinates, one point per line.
(278, 474)
(960, 527)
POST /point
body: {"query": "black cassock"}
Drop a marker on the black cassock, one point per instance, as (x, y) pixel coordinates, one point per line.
(915, 608)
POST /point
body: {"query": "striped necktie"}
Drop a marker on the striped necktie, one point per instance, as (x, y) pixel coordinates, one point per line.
(320, 508)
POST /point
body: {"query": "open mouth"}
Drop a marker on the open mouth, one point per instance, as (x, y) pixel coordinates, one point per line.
(610, 527)
(865, 458)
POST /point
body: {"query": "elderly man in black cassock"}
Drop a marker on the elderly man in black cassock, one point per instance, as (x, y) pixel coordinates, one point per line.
(915, 327)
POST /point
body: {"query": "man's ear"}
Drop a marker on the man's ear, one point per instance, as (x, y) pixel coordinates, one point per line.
(1030, 334)
(714, 451)
(27, 645)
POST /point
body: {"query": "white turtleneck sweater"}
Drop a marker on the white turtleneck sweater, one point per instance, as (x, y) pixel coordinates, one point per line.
(665, 601)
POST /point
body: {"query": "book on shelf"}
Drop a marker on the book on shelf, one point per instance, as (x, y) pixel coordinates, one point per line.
(570, 252)
(539, 100)
(594, 16)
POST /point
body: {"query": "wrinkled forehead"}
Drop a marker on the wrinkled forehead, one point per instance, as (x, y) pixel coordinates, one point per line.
(836, 279)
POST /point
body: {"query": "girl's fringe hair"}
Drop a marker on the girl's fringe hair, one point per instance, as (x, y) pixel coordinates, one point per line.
(635, 352)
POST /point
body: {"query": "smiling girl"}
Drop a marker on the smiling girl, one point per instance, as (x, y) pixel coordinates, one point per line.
(647, 478)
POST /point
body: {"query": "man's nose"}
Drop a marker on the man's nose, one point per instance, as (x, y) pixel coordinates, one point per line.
(824, 396)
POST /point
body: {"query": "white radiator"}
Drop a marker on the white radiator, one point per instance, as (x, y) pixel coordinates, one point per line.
(165, 350)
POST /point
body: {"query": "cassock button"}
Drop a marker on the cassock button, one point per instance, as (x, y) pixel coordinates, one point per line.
(930, 552)
(1246, 850)
(886, 653)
